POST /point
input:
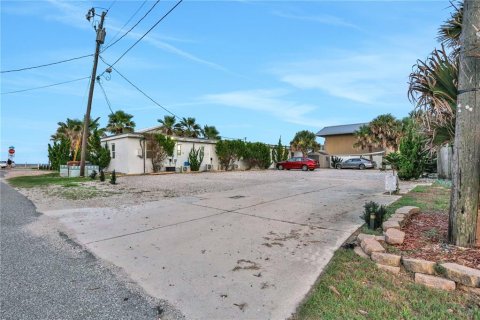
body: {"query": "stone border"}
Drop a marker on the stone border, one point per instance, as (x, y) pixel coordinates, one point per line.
(444, 276)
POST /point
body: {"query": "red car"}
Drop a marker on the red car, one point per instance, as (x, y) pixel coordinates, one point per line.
(297, 163)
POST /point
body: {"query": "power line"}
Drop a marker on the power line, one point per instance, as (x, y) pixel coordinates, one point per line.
(111, 5)
(47, 64)
(140, 90)
(105, 95)
(47, 86)
(145, 34)
(133, 25)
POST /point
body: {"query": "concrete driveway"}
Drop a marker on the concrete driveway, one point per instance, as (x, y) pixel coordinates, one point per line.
(251, 252)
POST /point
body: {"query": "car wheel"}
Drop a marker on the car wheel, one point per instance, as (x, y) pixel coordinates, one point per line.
(304, 167)
(312, 169)
(339, 166)
(280, 167)
(361, 167)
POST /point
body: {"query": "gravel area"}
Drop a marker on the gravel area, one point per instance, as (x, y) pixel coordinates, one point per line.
(45, 275)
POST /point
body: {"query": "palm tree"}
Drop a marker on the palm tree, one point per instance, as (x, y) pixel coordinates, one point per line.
(70, 130)
(433, 90)
(187, 127)
(168, 124)
(449, 32)
(305, 141)
(210, 132)
(365, 139)
(120, 122)
(387, 131)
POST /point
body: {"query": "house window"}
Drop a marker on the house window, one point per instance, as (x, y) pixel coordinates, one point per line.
(179, 149)
(113, 150)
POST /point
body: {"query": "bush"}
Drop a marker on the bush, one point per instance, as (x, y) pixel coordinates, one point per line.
(59, 153)
(336, 161)
(195, 158)
(229, 151)
(280, 152)
(113, 178)
(102, 175)
(93, 175)
(257, 154)
(373, 208)
(97, 154)
(413, 156)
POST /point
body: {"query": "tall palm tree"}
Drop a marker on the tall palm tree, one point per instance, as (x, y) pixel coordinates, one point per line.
(70, 130)
(210, 132)
(120, 122)
(305, 141)
(187, 127)
(365, 139)
(449, 32)
(433, 90)
(386, 130)
(168, 124)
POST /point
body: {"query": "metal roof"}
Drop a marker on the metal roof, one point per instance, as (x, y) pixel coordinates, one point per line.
(338, 130)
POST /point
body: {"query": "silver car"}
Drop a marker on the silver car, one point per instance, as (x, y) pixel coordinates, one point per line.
(356, 163)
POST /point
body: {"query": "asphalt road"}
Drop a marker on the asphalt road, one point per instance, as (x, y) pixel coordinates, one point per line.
(45, 277)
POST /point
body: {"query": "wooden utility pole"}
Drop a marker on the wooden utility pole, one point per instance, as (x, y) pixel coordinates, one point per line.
(464, 205)
(86, 122)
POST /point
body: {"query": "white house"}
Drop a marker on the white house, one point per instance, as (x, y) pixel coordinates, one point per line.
(129, 153)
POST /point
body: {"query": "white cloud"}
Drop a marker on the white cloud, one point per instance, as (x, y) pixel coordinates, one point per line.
(322, 19)
(268, 101)
(369, 78)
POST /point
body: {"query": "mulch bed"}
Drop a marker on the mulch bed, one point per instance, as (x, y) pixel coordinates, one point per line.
(426, 238)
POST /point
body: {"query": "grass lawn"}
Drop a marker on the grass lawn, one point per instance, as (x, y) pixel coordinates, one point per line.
(354, 288)
(45, 180)
(365, 292)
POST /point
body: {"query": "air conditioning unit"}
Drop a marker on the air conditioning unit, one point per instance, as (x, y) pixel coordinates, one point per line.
(185, 169)
(208, 167)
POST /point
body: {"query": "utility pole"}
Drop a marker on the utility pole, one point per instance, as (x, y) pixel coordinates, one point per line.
(86, 122)
(464, 222)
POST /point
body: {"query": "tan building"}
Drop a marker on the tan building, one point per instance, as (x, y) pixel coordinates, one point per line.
(339, 141)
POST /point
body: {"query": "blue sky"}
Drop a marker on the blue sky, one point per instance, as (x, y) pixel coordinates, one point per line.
(258, 70)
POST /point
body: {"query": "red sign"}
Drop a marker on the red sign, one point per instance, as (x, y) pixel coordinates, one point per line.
(11, 151)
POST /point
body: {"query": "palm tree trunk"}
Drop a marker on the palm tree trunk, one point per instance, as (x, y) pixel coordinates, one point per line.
(462, 228)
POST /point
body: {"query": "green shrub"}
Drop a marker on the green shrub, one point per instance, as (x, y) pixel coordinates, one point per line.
(229, 151)
(195, 158)
(280, 152)
(59, 153)
(102, 175)
(93, 175)
(98, 154)
(113, 178)
(378, 211)
(257, 154)
(336, 161)
(413, 157)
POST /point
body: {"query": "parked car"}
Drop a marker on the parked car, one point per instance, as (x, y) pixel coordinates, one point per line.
(3, 164)
(357, 163)
(297, 163)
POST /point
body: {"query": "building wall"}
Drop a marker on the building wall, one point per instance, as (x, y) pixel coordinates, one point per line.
(343, 145)
(127, 159)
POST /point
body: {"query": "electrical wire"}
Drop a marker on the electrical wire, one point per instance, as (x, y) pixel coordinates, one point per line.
(105, 95)
(47, 64)
(111, 5)
(47, 86)
(140, 90)
(145, 34)
(133, 15)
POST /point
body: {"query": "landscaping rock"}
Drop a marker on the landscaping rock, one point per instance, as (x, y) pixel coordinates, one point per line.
(400, 221)
(461, 274)
(394, 270)
(390, 224)
(418, 265)
(359, 251)
(386, 259)
(468, 289)
(380, 238)
(371, 245)
(408, 210)
(398, 216)
(363, 236)
(394, 236)
(434, 282)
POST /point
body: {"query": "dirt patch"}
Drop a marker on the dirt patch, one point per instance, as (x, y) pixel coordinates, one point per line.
(426, 238)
